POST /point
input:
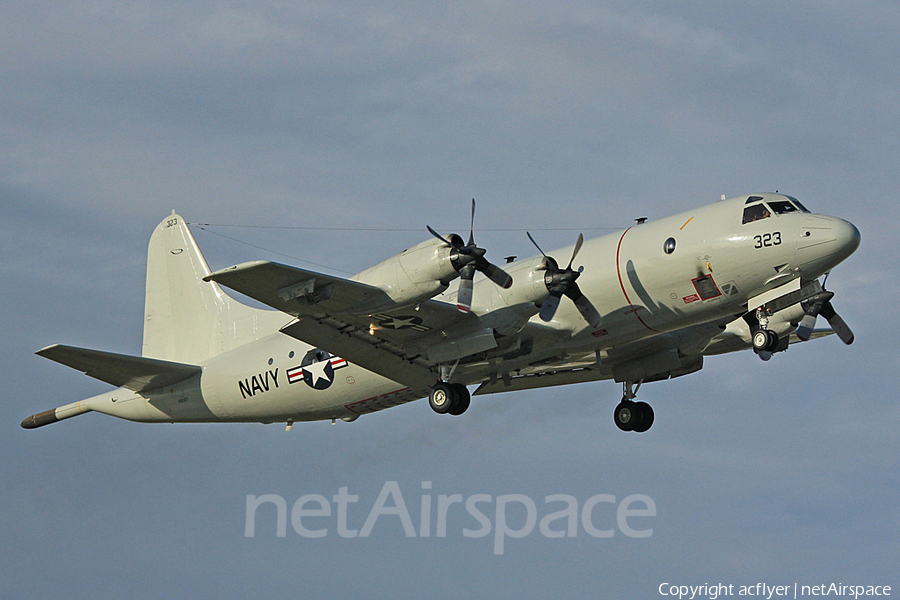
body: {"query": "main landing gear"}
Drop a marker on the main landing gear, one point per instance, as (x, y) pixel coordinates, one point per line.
(631, 415)
(449, 398)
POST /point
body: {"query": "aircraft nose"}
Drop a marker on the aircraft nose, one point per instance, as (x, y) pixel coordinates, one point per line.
(848, 237)
(824, 243)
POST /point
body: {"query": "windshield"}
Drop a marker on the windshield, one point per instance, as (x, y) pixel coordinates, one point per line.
(782, 206)
(798, 204)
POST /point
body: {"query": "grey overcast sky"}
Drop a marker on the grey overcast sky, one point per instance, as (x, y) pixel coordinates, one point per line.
(393, 115)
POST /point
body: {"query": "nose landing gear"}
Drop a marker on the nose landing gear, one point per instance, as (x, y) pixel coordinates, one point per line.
(630, 415)
(765, 341)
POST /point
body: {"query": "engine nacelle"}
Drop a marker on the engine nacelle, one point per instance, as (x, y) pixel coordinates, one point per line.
(529, 285)
(510, 309)
(417, 273)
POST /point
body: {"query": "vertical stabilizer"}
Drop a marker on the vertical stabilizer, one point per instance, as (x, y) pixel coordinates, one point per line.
(187, 319)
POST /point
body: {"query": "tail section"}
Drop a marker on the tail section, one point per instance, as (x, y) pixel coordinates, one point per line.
(186, 319)
(186, 322)
(55, 414)
(130, 372)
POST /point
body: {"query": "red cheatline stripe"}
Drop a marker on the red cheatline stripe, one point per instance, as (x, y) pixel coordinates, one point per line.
(618, 270)
(352, 404)
(622, 284)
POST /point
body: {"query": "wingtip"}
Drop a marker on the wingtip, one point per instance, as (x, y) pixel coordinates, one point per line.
(46, 349)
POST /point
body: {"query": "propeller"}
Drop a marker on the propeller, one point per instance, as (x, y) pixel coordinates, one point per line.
(467, 259)
(561, 282)
(820, 304)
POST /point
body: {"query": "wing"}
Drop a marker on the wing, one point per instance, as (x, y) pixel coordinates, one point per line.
(359, 322)
(660, 357)
(292, 290)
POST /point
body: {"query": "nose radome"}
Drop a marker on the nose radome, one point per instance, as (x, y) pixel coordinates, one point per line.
(847, 235)
(824, 243)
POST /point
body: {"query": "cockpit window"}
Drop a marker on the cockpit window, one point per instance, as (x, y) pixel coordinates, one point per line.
(755, 213)
(752, 199)
(782, 206)
(798, 204)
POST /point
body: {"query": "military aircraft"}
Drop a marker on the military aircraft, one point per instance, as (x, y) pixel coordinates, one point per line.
(648, 304)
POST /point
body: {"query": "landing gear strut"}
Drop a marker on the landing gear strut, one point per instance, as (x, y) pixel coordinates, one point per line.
(449, 398)
(630, 415)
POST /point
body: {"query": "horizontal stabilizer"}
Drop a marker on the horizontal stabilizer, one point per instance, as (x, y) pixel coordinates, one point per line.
(121, 370)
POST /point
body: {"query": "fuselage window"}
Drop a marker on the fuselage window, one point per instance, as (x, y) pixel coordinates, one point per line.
(755, 213)
(782, 206)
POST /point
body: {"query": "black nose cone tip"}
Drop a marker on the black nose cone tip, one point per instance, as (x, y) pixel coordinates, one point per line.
(40, 419)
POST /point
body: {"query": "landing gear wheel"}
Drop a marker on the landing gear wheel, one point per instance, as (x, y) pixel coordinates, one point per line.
(442, 398)
(760, 340)
(646, 412)
(765, 340)
(462, 400)
(627, 415)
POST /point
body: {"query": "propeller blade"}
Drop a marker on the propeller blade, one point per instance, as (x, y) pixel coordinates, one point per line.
(548, 308)
(440, 237)
(584, 306)
(472, 226)
(562, 282)
(495, 274)
(577, 248)
(805, 329)
(535, 244)
(589, 313)
(837, 323)
(464, 295)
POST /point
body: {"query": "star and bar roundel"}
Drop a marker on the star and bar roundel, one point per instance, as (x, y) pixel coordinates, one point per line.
(402, 322)
(316, 369)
